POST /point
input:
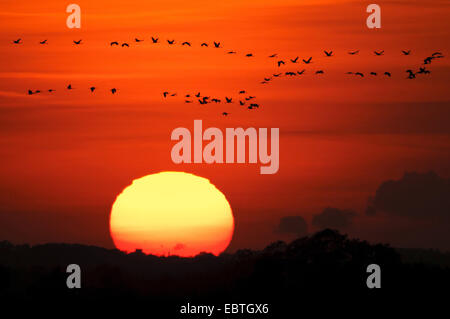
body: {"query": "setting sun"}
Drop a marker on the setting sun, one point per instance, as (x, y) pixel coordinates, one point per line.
(172, 213)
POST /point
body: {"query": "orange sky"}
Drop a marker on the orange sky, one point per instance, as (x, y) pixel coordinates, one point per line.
(67, 155)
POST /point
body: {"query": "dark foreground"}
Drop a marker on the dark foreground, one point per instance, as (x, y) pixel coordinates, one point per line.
(325, 272)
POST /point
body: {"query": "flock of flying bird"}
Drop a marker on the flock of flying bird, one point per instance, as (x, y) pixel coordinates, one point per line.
(69, 87)
(137, 40)
(247, 100)
(411, 73)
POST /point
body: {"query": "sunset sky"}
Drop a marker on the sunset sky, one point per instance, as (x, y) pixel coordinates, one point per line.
(65, 156)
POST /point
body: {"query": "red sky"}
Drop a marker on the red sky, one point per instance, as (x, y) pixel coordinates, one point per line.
(66, 156)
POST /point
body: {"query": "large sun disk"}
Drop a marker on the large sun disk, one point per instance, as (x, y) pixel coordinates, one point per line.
(171, 213)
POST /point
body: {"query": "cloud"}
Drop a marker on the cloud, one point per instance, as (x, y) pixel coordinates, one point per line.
(293, 225)
(414, 195)
(333, 218)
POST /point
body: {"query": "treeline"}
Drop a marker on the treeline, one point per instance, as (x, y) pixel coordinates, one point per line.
(326, 266)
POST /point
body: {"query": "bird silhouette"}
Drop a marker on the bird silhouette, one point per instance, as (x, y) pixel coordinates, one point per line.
(198, 94)
(202, 101)
(173, 94)
(254, 105)
(216, 44)
(137, 40)
(249, 55)
(294, 60)
(125, 45)
(155, 40)
(113, 90)
(273, 55)
(51, 91)
(204, 44)
(406, 52)
(92, 89)
(249, 98)
(229, 100)
(277, 74)
(187, 101)
(267, 79)
(423, 71)
(436, 54)
(301, 72)
(411, 74)
(373, 73)
(171, 42)
(231, 52)
(359, 74)
(69, 87)
(242, 92)
(18, 41)
(290, 74)
(379, 52)
(30, 92)
(114, 43)
(43, 42)
(353, 52)
(225, 113)
(281, 63)
(186, 43)
(328, 54)
(428, 60)
(241, 103)
(307, 61)
(165, 94)
(77, 42)
(319, 72)
(387, 74)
